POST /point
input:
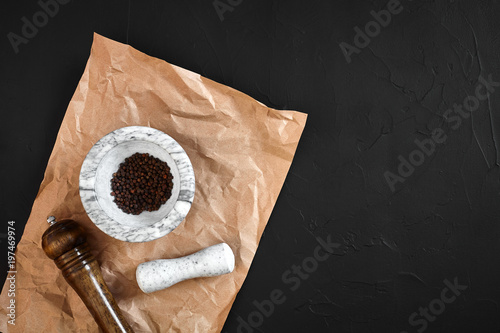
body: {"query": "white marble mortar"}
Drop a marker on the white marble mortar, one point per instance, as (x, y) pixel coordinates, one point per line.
(103, 160)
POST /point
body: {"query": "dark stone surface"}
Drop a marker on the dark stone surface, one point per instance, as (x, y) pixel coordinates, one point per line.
(395, 249)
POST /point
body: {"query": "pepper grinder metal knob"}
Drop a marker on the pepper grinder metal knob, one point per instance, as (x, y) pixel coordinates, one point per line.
(65, 242)
(160, 274)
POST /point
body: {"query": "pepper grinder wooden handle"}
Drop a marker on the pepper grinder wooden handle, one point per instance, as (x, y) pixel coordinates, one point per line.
(65, 242)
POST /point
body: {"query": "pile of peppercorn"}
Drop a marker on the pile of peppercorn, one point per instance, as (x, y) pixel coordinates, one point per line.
(142, 183)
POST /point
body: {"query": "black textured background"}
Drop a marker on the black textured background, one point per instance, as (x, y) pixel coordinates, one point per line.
(396, 248)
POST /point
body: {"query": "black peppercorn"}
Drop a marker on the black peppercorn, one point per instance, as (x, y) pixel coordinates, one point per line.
(141, 183)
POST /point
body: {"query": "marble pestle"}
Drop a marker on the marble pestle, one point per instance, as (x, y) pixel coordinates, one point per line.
(160, 274)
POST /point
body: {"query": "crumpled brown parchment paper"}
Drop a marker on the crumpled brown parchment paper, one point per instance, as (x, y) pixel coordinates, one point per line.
(241, 151)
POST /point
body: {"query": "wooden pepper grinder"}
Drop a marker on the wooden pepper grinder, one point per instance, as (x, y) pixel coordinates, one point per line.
(65, 242)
